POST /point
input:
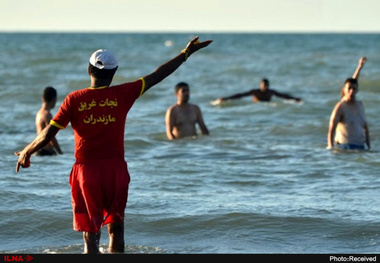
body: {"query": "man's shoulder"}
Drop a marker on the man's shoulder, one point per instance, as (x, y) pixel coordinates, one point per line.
(360, 103)
(340, 107)
(43, 116)
(172, 107)
(339, 104)
(136, 83)
(43, 112)
(77, 92)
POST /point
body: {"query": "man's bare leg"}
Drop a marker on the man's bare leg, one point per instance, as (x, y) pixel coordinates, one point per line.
(116, 237)
(91, 242)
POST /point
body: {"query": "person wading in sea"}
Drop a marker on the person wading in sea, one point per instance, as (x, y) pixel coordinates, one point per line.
(99, 178)
(348, 127)
(182, 117)
(43, 118)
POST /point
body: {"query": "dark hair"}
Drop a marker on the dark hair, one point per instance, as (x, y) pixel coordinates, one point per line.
(266, 81)
(101, 73)
(351, 81)
(348, 80)
(49, 94)
(180, 85)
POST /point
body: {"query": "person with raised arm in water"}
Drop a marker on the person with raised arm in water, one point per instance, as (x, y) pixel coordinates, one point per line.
(99, 178)
(348, 127)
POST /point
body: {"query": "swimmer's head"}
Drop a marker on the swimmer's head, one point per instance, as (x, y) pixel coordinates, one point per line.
(264, 84)
(351, 86)
(182, 91)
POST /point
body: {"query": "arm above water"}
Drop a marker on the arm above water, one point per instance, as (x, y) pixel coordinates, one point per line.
(172, 65)
(361, 63)
(285, 96)
(169, 124)
(237, 96)
(335, 117)
(201, 122)
(41, 140)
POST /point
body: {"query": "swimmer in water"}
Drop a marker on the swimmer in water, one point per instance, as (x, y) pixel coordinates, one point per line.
(182, 117)
(348, 127)
(261, 94)
(43, 118)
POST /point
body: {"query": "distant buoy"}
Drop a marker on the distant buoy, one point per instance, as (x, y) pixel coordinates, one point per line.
(169, 43)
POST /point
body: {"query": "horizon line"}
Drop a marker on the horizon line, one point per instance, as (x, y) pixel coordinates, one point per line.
(2, 31)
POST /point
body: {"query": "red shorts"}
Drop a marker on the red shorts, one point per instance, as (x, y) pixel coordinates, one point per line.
(99, 193)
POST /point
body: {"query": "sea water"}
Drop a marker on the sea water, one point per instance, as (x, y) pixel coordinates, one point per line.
(261, 182)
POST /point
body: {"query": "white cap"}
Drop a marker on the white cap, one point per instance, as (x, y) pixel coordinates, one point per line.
(103, 59)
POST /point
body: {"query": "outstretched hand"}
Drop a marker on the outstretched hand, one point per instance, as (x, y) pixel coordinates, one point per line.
(23, 160)
(194, 45)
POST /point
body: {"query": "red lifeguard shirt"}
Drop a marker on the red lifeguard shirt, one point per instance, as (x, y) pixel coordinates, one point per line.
(97, 117)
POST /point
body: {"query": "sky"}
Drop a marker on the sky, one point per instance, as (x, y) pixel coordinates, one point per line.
(190, 16)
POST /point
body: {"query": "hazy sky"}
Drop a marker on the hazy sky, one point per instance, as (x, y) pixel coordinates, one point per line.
(191, 15)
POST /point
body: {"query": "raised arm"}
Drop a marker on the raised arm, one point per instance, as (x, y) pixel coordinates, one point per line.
(361, 63)
(169, 67)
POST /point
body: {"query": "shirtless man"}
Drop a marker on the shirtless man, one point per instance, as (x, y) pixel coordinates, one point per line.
(43, 117)
(348, 126)
(261, 94)
(182, 117)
